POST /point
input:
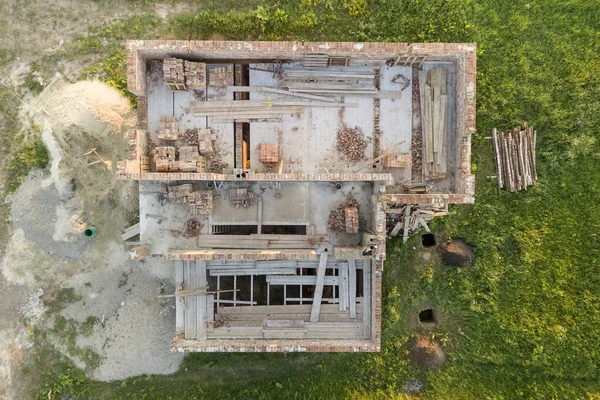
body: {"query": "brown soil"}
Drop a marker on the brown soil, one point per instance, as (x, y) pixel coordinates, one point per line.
(457, 253)
(427, 353)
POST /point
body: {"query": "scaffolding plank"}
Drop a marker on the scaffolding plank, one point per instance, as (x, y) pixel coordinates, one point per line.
(320, 281)
(179, 307)
(352, 287)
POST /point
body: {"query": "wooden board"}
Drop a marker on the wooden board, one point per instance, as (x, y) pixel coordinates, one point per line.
(320, 281)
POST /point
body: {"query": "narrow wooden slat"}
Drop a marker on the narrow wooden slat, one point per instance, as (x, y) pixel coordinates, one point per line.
(316, 306)
(352, 287)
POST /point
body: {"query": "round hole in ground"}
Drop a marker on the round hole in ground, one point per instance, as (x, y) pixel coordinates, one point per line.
(428, 240)
(427, 316)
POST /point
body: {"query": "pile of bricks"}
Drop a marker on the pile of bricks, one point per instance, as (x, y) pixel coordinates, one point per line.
(178, 194)
(164, 159)
(188, 159)
(269, 154)
(352, 220)
(206, 142)
(201, 202)
(221, 76)
(174, 75)
(195, 75)
(169, 129)
(397, 161)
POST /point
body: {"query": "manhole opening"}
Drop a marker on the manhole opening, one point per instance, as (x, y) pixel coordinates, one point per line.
(427, 315)
(88, 232)
(428, 240)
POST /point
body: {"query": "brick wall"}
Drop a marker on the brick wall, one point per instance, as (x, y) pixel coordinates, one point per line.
(272, 346)
(228, 254)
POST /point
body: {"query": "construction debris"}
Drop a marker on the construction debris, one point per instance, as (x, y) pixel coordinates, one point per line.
(351, 143)
(193, 228)
(515, 158)
(434, 122)
(174, 74)
(169, 129)
(190, 136)
(412, 217)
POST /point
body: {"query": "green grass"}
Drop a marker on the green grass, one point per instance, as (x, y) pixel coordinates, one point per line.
(522, 321)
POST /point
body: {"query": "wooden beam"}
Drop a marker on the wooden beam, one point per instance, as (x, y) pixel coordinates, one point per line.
(316, 306)
(352, 287)
(265, 89)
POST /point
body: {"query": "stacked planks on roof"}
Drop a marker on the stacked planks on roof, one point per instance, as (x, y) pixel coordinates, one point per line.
(316, 60)
(434, 122)
(173, 73)
(515, 158)
(330, 81)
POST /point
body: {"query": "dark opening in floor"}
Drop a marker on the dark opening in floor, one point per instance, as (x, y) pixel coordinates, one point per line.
(283, 229)
(427, 316)
(428, 240)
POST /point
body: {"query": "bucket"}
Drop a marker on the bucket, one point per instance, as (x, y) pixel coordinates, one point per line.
(90, 232)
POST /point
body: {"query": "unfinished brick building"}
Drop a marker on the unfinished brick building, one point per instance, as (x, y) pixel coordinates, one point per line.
(271, 174)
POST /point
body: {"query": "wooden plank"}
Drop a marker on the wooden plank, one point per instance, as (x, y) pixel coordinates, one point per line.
(179, 306)
(283, 323)
(284, 333)
(131, 231)
(497, 157)
(344, 286)
(320, 281)
(397, 228)
(265, 89)
(210, 312)
(301, 280)
(200, 266)
(366, 305)
(236, 332)
(295, 308)
(352, 287)
(190, 303)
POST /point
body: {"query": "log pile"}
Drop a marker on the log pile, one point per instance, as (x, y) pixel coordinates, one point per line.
(351, 143)
(174, 74)
(195, 75)
(434, 122)
(515, 158)
(168, 129)
(409, 218)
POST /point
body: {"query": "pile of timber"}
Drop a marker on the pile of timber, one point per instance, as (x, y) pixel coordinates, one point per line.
(258, 241)
(330, 81)
(515, 158)
(412, 217)
(173, 73)
(434, 122)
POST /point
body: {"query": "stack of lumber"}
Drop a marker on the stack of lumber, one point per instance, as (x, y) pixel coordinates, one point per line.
(220, 76)
(269, 154)
(188, 159)
(245, 110)
(173, 73)
(515, 158)
(164, 159)
(168, 129)
(330, 81)
(411, 217)
(434, 122)
(195, 75)
(252, 268)
(201, 202)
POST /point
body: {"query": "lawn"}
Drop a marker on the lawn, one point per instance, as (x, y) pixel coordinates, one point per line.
(521, 322)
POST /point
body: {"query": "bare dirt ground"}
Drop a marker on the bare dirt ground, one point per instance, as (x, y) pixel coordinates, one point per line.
(47, 250)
